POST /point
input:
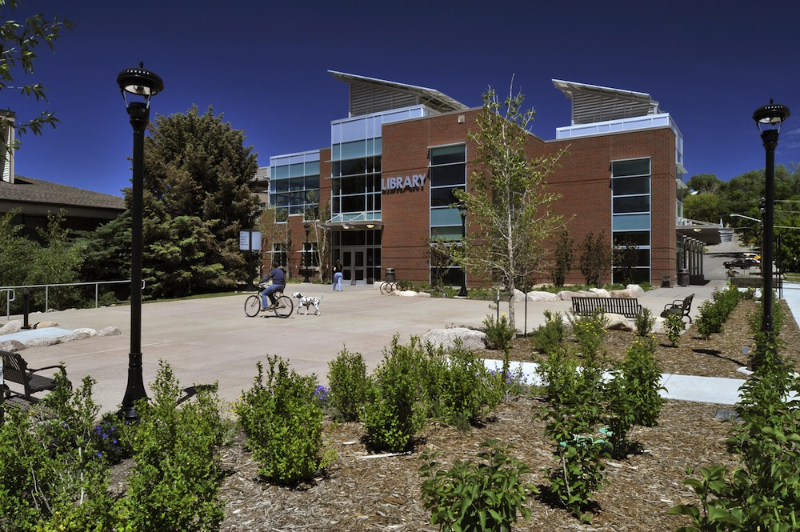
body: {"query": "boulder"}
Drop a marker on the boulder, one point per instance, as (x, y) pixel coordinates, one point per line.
(543, 296)
(109, 331)
(519, 295)
(12, 345)
(11, 327)
(618, 322)
(41, 342)
(423, 294)
(635, 290)
(567, 295)
(44, 324)
(470, 339)
(621, 293)
(79, 334)
(599, 292)
(405, 293)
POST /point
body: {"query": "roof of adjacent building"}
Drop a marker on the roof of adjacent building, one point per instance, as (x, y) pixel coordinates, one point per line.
(29, 190)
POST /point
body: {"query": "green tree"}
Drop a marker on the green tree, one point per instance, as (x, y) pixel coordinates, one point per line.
(705, 183)
(197, 197)
(565, 256)
(510, 211)
(19, 44)
(595, 259)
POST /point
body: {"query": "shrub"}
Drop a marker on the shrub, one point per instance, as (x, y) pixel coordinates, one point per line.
(589, 331)
(674, 326)
(51, 476)
(644, 322)
(642, 381)
(499, 332)
(549, 337)
(395, 409)
(282, 419)
(347, 377)
(110, 440)
(762, 493)
(470, 497)
(460, 389)
(175, 482)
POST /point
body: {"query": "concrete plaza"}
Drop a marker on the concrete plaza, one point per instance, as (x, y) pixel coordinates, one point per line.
(211, 340)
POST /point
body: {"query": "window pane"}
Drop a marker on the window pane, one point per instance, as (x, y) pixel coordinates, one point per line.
(353, 185)
(312, 167)
(637, 238)
(630, 222)
(353, 203)
(448, 154)
(632, 204)
(353, 150)
(448, 175)
(281, 171)
(280, 200)
(296, 170)
(353, 166)
(443, 197)
(630, 185)
(447, 233)
(297, 183)
(445, 217)
(631, 167)
(312, 182)
(282, 185)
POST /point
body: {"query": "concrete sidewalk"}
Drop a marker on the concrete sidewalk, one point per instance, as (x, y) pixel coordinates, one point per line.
(211, 340)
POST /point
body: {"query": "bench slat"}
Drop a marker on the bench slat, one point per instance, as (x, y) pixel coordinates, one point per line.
(627, 307)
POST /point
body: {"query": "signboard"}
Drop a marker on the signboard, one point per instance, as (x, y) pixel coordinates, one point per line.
(244, 240)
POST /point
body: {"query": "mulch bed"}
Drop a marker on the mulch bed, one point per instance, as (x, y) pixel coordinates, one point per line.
(383, 493)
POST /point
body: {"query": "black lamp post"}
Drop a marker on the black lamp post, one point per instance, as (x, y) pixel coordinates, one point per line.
(143, 84)
(462, 210)
(306, 226)
(768, 119)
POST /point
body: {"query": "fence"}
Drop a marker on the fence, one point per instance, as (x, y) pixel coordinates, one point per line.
(11, 292)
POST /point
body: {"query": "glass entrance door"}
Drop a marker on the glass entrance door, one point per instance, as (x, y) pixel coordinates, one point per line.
(353, 265)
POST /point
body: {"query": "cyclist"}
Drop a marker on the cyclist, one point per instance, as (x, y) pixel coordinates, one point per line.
(278, 283)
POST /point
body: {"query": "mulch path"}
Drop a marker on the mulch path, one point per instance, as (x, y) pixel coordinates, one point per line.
(383, 493)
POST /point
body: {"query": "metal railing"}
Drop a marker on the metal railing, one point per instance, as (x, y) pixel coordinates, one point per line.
(11, 294)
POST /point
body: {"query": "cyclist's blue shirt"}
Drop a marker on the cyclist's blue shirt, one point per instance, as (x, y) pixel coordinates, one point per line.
(277, 277)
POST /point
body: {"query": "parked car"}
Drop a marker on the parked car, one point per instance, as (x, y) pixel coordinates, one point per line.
(742, 262)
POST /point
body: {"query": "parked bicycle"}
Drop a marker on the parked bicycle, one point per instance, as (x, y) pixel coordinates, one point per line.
(282, 308)
(393, 286)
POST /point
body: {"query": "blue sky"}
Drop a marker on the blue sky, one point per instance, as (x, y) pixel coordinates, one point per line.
(263, 65)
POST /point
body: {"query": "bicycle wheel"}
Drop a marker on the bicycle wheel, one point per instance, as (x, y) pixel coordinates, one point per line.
(386, 288)
(283, 306)
(252, 306)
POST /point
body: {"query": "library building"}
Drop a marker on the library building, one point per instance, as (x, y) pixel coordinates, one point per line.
(384, 187)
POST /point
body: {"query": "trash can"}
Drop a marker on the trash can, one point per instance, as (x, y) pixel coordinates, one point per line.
(683, 277)
(389, 277)
(666, 281)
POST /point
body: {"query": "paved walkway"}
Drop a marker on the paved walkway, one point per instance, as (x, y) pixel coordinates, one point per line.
(211, 340)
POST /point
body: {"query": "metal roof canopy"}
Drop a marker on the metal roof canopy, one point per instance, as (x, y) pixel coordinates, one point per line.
(593, 103)
(432, 98)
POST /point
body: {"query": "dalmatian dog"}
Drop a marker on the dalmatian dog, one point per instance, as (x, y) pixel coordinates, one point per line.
(307, 301)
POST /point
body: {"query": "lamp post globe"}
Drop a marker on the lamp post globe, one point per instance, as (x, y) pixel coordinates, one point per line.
(768, 120)
(138, 85)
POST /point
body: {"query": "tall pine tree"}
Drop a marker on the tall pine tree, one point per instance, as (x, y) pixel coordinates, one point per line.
(197, 198)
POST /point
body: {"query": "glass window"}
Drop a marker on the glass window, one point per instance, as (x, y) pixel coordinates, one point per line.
(637, 238)
(448, 175)
(631, 222)
(630, 167)
(353, 167)
(630, 185)
(445, 217)
(297, 183)
(353, 203)
(627, 204)
(447, 233)
(281, 185)
(444, 197)
(448, 155)
(352, 185)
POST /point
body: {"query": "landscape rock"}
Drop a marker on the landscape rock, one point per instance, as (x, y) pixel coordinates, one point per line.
(621, 293)
(618, 322)
(44, 324)
(109, 331)
(79, 334)
(543, 296)
(11, 327)
(12, 345)
(42, 342)
(471, 339)
(599, 292)
(423, 294)
(635, 289)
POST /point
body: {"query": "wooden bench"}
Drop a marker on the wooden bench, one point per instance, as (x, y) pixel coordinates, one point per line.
(627, 306)
(15, 369)
(680, 307)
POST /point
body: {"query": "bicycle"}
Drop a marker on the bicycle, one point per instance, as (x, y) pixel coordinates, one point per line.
(283, 307)
(392, 286)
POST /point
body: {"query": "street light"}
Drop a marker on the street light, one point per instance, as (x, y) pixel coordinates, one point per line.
(144, 85)
(768, 119)
(306, 226)
(462, 210)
